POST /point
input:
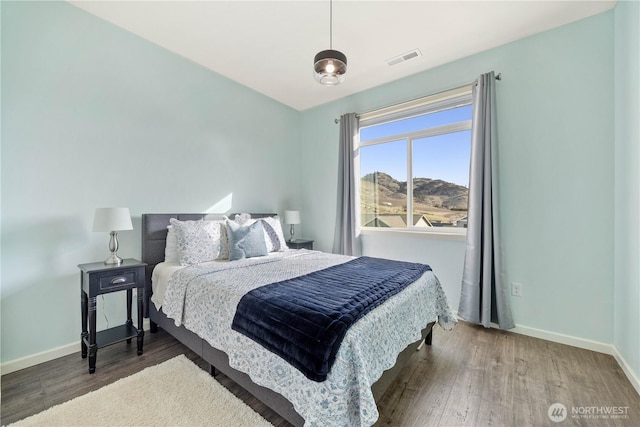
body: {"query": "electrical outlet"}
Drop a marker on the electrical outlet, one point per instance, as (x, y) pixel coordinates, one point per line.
(516, 289)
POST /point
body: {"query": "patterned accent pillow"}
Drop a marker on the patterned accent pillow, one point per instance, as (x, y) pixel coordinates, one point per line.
(243, 218)
(275, 237)
(224, 241)
(271, 238)
(198, 241)
(246, 241)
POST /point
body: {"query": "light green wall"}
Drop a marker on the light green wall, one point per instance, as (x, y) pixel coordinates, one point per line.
(94, 116)
(627, 184)
(81, 97)
(556, 159)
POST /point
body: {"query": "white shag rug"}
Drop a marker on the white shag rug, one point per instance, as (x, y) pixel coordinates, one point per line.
(173, 393)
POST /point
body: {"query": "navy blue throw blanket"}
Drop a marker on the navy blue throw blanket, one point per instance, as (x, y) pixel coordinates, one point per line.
(304, 319)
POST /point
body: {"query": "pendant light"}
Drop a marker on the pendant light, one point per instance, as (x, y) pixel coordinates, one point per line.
(330, 66)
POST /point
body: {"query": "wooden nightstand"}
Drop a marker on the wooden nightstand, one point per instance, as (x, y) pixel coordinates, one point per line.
(300, 244)
(98, 278)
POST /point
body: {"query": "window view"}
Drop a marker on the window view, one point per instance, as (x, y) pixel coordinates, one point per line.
(429, 149)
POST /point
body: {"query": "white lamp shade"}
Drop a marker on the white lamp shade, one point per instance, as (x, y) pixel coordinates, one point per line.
(112, 219)
(292, 217)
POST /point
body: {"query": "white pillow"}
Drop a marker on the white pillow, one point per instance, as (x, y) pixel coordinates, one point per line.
(197, 241)
(171, 248)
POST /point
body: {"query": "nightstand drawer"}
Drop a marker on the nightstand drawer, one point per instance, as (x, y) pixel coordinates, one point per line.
(112, 282)
(99, 278)
(300, 244)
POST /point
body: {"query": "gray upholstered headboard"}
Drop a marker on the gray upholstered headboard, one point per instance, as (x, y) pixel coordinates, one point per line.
(154, 240)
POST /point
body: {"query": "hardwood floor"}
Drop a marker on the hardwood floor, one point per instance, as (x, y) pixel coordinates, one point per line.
(470, 376)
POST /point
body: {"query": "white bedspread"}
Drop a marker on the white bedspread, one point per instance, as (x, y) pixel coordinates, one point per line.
(204, 298)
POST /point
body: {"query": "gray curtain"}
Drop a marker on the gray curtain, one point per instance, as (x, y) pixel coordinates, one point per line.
(345, 240)
(484, 298)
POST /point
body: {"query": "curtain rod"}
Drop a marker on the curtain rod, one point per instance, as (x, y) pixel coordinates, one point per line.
(498, 77)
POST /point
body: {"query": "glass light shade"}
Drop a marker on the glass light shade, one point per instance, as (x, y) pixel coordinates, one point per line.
(112, 219)
(292, 217)
(330, 67)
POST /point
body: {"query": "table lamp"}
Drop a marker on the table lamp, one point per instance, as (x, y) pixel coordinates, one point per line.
(112, 220)
(292, 217)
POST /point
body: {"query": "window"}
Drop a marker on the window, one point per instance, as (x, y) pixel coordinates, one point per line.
(426, 143)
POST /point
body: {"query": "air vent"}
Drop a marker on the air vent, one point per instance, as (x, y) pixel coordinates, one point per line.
(404, 57)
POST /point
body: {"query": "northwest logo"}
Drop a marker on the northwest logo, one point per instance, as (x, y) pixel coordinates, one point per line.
(557, 412)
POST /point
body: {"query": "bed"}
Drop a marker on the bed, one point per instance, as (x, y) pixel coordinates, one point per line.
(348, 395)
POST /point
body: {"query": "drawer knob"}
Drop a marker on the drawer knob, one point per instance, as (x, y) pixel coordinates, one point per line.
(118, 280)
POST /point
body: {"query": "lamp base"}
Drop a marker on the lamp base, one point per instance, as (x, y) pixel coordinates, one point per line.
(292, 231)
(113, 260)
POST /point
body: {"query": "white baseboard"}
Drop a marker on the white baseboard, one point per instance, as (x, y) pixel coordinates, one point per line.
(635, 381)
(35, 359)
(581, 343)
(564, 339)
(45, 356)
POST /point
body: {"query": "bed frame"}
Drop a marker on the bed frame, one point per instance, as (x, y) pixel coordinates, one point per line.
(154, 235)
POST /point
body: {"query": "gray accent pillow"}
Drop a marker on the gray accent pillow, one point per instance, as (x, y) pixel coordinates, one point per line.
(246, 241)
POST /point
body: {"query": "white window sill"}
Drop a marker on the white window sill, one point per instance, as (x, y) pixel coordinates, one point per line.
(449, 233)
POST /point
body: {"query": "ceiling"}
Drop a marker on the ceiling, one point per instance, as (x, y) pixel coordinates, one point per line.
(269, 45)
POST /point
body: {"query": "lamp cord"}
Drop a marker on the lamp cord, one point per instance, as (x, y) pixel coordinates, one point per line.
(104, 311)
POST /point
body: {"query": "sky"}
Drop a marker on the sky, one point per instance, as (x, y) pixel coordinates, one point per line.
(443, 157)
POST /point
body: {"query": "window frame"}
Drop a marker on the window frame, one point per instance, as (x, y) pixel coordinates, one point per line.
(427, 105)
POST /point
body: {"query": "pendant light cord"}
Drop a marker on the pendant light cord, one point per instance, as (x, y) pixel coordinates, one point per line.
(330, 24)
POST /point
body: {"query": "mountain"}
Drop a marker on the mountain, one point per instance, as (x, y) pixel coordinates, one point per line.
(438, 199)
